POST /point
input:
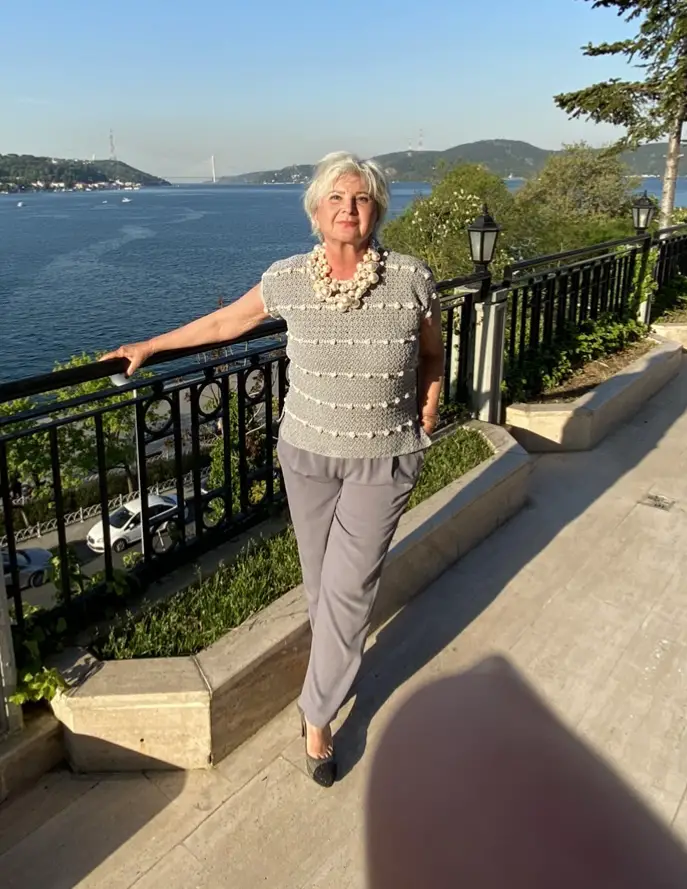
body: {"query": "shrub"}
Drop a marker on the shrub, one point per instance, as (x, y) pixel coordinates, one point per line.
(671, 300)
(433, 227)
(580, 196)
(551, 365)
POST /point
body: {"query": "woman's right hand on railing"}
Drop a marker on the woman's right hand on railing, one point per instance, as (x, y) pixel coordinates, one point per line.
(225, 324)
(135, 353)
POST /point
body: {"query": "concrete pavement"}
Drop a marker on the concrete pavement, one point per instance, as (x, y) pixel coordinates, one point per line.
(584, 591)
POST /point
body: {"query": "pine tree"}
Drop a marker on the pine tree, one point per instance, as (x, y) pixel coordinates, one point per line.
(650, 108)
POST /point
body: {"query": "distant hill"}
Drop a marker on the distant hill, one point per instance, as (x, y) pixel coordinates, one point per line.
(19, 172)
(649, 160)
(505, 157)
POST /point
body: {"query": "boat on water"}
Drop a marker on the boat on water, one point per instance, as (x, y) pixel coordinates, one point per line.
(126, 200)
(20, 203)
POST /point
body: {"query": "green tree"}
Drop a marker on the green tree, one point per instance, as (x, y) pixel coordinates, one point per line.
(581, 182)
(79, 455)
(581, 196)
(433, 227)
(654, 105)
(28, 458)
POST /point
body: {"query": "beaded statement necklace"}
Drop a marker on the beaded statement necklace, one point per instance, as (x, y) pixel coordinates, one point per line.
(343, 295)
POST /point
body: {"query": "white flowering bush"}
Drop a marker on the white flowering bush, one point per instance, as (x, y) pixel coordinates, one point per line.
(434, 227)
(437, 223)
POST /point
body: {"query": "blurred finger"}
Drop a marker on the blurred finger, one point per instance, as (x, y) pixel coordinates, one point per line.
(475, 783)
(108, 355)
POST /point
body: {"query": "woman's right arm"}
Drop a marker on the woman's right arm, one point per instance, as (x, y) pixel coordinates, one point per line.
(225, 324)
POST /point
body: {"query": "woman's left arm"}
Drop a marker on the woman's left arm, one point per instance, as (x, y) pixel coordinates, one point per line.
(431, 369)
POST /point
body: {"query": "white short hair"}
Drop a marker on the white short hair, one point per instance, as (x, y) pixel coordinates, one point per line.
(342, 163)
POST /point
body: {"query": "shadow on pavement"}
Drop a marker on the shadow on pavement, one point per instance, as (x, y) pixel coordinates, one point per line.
(56, 834)
(562, 487)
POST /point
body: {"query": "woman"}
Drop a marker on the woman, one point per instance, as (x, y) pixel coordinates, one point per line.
(366, 361)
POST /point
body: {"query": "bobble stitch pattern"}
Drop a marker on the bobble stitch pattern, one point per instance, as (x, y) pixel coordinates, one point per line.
(384, 324)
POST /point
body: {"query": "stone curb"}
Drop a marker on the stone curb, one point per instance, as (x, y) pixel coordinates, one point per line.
(581, 424)
(676, 333)
(32, 752)
(191, 712)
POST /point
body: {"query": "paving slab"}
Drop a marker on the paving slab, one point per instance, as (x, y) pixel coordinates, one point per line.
(111, 835)
(51, 795)
(584, 590)
(178, 870)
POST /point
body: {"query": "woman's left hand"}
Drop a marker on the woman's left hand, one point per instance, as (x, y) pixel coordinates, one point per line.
(429, 422)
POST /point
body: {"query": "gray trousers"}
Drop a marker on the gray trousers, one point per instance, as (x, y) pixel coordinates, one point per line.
(344, 512)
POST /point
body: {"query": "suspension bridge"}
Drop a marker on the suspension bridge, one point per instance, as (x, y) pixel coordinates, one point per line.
(209, 176)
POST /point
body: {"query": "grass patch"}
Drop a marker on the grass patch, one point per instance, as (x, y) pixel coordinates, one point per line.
(447, 460)
(199, 615)
(264, 570)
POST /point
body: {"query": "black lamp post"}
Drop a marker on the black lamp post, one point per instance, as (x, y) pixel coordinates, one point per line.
(483, 234)
(643, 211)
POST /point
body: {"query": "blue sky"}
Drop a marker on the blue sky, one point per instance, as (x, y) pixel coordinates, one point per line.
(266, 84)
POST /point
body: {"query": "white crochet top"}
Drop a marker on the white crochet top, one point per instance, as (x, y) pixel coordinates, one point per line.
(353, 375)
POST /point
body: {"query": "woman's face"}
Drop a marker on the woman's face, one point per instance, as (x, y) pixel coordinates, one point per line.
(347, 214)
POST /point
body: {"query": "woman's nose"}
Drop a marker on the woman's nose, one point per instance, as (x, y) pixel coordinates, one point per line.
(351, 206)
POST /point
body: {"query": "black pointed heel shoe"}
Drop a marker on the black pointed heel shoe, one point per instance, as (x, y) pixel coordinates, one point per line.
(322, 771)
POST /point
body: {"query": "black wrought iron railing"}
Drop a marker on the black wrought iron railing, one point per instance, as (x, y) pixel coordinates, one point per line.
(209, 416)
(129, 483)
(219, 414)
(672, 253)
(458, 297)
(551, 294)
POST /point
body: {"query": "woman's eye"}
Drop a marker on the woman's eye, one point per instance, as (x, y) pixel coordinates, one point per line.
(363, 199)
(334, 197)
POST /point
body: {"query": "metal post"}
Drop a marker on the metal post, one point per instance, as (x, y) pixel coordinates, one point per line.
(490, 344)
(454, 364)
(644, 306)
(140, 449)
(10, 714)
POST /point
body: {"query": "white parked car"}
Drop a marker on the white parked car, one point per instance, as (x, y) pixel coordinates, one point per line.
(125, 523)
(33, 565)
